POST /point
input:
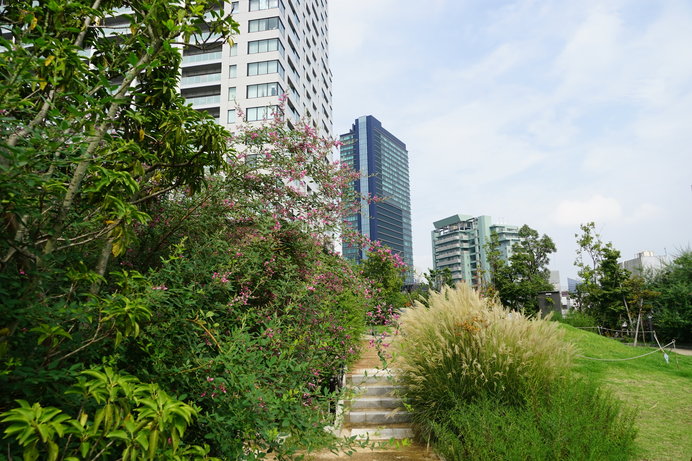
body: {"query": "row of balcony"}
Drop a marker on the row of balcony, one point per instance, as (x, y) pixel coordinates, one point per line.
(204, 100)
(203, 57)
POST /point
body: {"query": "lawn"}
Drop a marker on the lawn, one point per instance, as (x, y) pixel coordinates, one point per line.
(661, 392)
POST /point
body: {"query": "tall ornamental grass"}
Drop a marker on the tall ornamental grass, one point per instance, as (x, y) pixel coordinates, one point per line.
(463, 347)
(484, 383)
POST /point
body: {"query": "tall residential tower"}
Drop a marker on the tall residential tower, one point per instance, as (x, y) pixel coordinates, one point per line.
(382, 161)
(282, 48)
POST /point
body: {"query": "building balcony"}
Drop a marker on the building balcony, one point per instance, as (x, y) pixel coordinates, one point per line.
(202, 58)
(197, 80)
(203, 101)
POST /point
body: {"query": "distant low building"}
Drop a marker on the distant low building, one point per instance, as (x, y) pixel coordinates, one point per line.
(646, 261)
(551, 302)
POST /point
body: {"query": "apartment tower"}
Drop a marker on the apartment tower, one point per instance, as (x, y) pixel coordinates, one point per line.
(459, 243)
(282, 49)
(382, 161)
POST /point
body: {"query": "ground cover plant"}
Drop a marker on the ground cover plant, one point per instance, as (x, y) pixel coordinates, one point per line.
(658, 390)
(486, 383)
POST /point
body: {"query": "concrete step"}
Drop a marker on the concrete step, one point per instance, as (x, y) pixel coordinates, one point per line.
(376, 401)
(370, 378)
(376, 416)
(379, 433)
(387, 390)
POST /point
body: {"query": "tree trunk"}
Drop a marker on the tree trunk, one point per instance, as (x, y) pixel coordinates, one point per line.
(83, 166)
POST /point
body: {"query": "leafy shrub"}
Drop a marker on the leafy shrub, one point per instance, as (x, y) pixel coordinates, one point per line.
(119, 417)
(253, 323)
(122, 245)
(463, 347)
(672, 312)
(579, 319)
(575, 422)
(386, 271)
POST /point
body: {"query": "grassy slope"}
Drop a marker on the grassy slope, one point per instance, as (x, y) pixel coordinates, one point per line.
(662, 393)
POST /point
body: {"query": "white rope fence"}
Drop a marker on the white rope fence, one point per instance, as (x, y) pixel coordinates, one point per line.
(623, 332)
(661, 348)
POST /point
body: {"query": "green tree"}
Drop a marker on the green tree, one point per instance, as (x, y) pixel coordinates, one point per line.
(672, 309)
(639, 300)
(93, 126)
(92, 132)
(438, 278)
(603, 292)
(518, 281)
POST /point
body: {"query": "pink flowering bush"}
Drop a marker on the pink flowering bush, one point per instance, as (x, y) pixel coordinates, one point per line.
(385, 272)
(254, 315)
(228, 295)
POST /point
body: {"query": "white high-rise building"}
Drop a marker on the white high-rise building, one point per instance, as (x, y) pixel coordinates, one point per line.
(459, 244)
(282, 48)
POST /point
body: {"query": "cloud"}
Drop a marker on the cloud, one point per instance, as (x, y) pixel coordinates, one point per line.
(549, 113)
(596, 208)
(356, 28)
(586, 60)
(645, 212)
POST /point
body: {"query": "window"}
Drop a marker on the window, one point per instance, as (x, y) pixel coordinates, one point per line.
(232, 71)
(260, 113)
(256, 5)
(265, 67)
(234, 50)
(231, 116)
(234, 7)
(263, 46)
(258, 25)
(231, 93)
(264, 89)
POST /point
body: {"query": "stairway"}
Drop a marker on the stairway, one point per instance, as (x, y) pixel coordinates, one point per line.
(374, 411)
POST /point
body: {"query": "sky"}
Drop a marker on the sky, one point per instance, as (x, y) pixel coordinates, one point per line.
(538, 112)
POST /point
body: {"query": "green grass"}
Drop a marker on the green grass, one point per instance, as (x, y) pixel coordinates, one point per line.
(661, 392)
(574, 422)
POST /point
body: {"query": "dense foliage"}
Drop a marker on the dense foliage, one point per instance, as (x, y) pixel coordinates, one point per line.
(518, 280)
(169, 290)
(672, 307)
(615, 297)
(602, 292)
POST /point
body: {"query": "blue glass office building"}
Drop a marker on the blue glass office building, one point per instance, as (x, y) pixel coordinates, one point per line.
(382, 161)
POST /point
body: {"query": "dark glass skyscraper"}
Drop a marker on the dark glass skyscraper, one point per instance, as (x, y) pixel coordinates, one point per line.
(382, 161)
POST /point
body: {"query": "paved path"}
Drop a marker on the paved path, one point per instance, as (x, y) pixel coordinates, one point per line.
(683, 351)
(376, 411)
